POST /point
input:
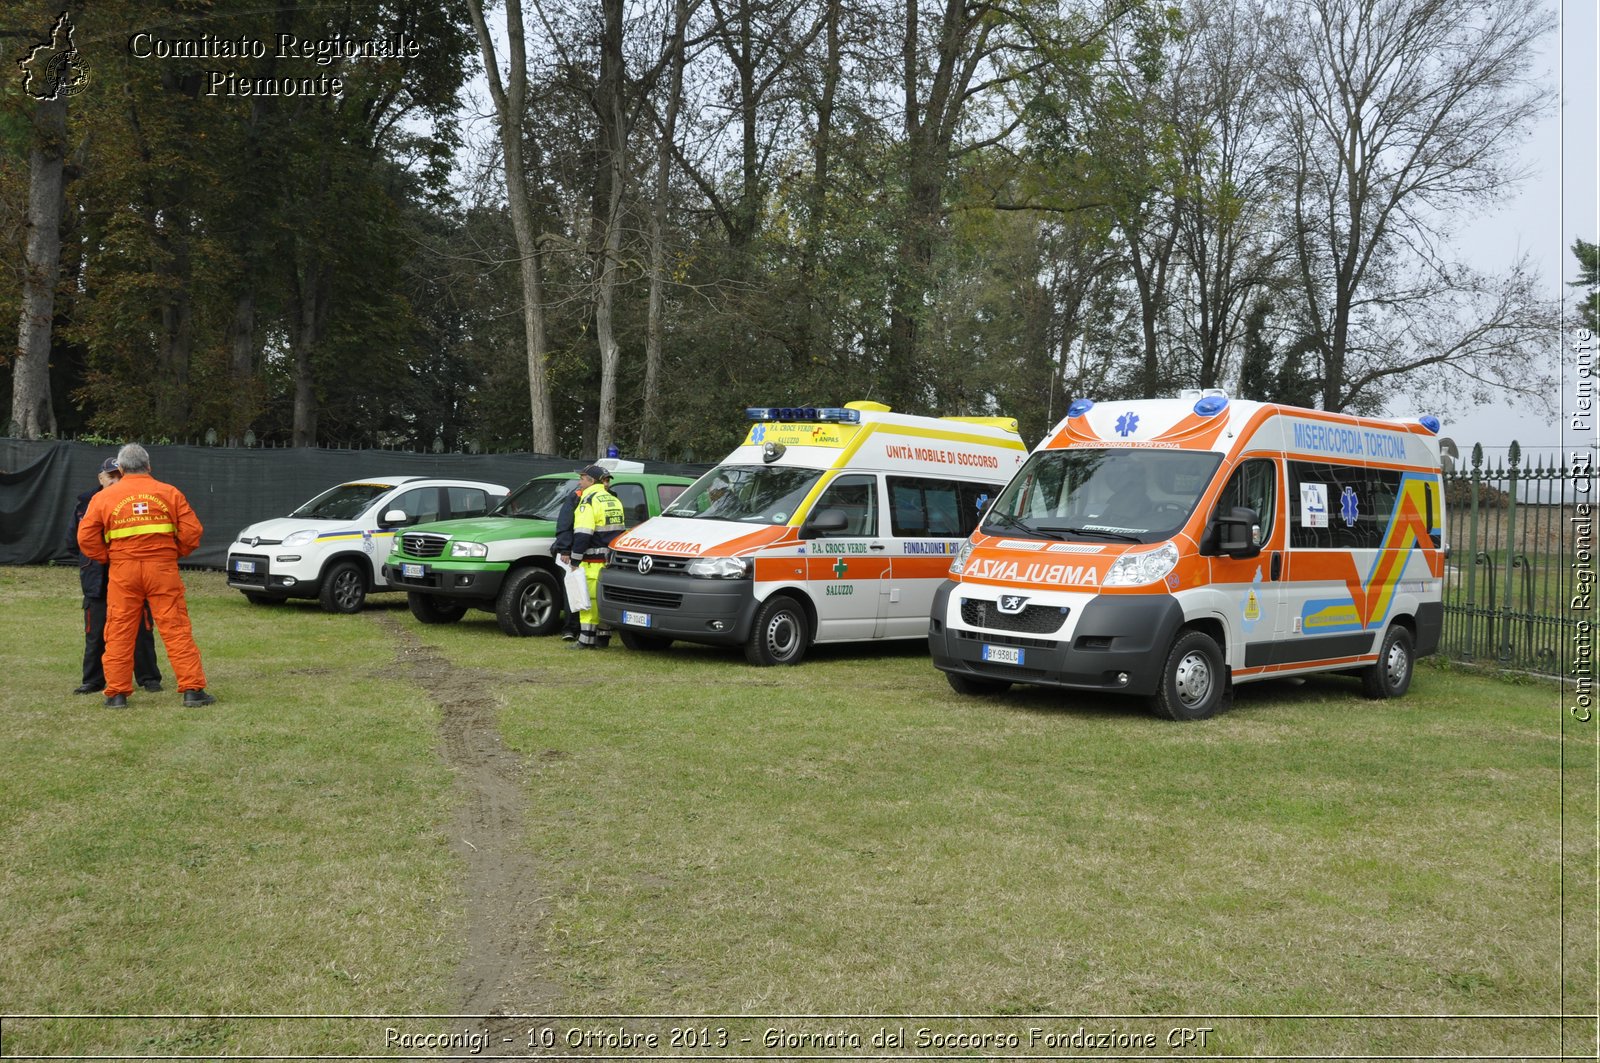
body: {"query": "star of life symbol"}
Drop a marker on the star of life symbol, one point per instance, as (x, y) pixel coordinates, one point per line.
(141, 508)
(54, 68)
(1349, 506)
(1127, 424)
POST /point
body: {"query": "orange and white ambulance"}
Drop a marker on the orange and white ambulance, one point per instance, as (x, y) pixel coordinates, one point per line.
(1174, 547)
(830, 524)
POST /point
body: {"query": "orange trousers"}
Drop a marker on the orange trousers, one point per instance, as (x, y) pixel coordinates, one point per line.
(132, 584)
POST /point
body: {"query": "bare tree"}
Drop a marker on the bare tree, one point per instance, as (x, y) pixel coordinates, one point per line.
(1401, 118)
(676, 57)
(32, 414)
(510, 101)
(1225, 226)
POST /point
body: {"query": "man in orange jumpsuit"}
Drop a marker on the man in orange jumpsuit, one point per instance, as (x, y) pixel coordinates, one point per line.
(141, 526)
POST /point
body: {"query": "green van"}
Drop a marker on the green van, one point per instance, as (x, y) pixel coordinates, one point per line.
(503, 562)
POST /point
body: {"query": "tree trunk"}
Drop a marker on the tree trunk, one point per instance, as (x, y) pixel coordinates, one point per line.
(658, 225)
(606, 222)
(32, 414)
(510, 101)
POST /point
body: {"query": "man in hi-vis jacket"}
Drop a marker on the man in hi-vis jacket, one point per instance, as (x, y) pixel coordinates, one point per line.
(597, 520)
(141, 527)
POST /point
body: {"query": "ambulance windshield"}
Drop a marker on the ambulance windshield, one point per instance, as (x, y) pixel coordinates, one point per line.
(753, 494)
(1131, 495)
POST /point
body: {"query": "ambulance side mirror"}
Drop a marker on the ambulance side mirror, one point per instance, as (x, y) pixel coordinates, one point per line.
(826, 522)
(1237, 533)
(394, 518)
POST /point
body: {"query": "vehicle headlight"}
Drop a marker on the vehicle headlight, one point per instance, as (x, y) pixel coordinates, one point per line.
(961, 558)
(719, 567)
(1146, 566)
(460, 549)
(300, 538)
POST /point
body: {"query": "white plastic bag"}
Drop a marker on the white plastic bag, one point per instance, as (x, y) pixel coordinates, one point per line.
(577, 585)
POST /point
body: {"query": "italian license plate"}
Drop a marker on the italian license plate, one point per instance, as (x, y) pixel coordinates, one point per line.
(1003, 654)
(413, 571)
(635, 619)
(244, 566)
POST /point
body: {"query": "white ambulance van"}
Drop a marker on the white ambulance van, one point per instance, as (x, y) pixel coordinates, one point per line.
(1171, 548)
(825, 525)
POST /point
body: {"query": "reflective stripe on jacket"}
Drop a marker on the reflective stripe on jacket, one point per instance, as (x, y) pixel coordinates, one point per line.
(139, 517)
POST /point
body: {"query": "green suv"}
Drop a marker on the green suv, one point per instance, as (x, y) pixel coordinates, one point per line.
(503, 562)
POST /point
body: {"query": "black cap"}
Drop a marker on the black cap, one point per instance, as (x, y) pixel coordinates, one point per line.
(110, 465)
(595, 472)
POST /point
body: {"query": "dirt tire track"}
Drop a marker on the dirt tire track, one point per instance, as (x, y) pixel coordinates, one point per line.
(504, 972)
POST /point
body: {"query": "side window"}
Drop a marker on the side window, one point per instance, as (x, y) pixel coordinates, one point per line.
(666, 494)
(421, 505)
(944, 509)
(1345, 507)
(1254, 485)
(634, 510)
(857, 496)
(467, 501)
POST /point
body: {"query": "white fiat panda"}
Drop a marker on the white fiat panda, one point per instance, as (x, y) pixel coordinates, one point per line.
(332, 548)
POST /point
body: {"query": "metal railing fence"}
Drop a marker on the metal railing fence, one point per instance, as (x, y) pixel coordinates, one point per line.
(1507, 587)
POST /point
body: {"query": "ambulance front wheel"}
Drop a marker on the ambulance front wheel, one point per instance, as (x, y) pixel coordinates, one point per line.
(780, 635)
(1390, 677)
(1194, 680)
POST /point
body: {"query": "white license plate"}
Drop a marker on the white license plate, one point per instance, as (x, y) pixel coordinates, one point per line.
(244, 566)
(1003, 654)
(412, 571)
(635, 619)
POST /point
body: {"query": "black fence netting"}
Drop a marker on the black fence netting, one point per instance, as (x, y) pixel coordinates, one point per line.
(228, 487)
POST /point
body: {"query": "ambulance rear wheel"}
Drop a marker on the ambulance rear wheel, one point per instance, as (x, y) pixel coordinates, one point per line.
(976, 686)
(1194, 680)
(781, 633)
(529, 603)
(1390, 677)
(431, 609)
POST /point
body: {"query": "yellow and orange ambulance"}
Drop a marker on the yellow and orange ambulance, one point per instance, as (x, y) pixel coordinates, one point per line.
(1171, 548)
(829, 524)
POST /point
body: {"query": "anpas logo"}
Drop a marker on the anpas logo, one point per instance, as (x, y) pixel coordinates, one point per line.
(1034, 572)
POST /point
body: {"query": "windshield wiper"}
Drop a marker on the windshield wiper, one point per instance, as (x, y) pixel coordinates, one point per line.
(1123, 536)
(1021, 525)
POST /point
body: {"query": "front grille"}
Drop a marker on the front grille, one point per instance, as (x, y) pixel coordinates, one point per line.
(665, 565)
(638, 596)
(257, 578)
(423, 544)
(1032, 620)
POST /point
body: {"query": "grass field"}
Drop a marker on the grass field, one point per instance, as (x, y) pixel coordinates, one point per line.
(697, 837)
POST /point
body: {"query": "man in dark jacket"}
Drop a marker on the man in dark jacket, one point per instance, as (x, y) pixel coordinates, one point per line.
(563, 549)
(92, 578)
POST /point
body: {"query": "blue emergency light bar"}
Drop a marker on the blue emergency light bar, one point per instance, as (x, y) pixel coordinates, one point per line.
(832, 414)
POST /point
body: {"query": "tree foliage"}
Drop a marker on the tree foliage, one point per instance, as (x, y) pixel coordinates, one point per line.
(684, 207)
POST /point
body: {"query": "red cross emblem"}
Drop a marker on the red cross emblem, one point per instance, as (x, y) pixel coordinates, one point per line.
(141, 508)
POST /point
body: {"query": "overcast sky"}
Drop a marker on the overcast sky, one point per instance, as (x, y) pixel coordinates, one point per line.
(1560, 203)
